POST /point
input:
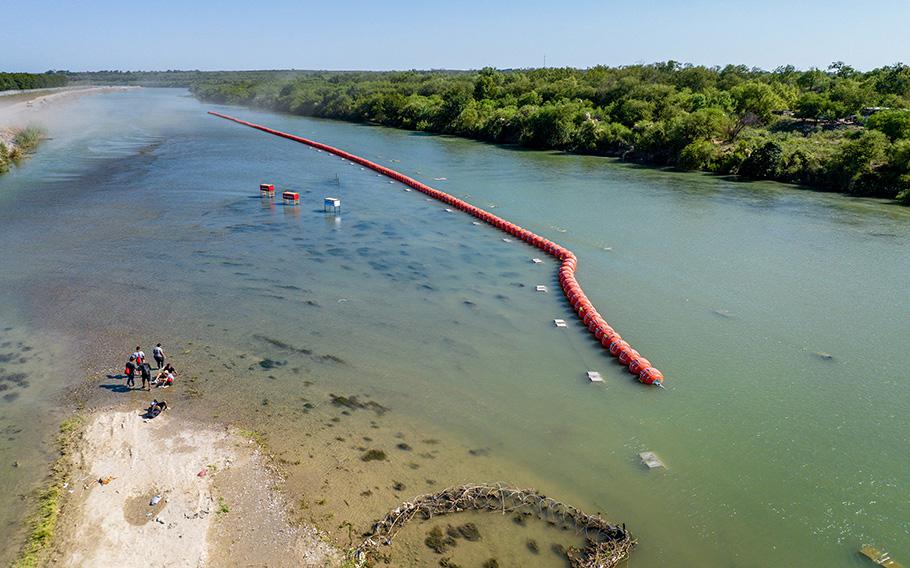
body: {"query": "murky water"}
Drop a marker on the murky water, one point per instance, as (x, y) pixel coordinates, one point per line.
(780, 318)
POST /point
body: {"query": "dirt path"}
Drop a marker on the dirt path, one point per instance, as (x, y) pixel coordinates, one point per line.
(218, 500)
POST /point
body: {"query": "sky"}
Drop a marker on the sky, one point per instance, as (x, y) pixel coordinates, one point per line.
(87, 35)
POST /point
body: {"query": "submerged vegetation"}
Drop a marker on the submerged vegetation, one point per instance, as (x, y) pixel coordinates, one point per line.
(837, 129)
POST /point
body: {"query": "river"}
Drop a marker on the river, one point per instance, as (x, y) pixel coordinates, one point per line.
(779, 316)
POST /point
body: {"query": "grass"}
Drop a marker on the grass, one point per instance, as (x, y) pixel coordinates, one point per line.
(24, 142)
(222, 506)
(27, 139)
(43, 521)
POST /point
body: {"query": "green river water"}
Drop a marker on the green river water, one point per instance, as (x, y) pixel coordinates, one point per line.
(780, 318)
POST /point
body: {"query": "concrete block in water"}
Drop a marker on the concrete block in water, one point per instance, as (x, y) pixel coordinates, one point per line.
(651, 460)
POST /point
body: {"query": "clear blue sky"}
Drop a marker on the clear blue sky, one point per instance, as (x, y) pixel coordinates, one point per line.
(37, 35)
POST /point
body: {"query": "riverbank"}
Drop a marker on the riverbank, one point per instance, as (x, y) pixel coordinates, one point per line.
(168, 491)
(24, 105)
(21, 110)
(754, 124)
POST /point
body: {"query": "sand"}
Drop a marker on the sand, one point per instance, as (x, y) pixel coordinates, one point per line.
(220, 503)
(16, 111)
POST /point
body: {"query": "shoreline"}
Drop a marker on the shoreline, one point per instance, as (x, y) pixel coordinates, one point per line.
(620, 157)
(26, 103)
(18, 111)
(219, 497)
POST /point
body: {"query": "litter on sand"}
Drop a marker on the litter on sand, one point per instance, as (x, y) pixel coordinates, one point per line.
(651, 460)
(106, 480)
(154, 500)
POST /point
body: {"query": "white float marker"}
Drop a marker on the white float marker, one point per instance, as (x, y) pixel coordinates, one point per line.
(651, 460)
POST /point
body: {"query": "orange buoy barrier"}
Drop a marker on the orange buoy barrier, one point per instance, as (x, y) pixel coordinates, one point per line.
(588, 314)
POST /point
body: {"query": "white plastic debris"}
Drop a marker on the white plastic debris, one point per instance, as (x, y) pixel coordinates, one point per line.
(536, 260)
(559, 323)
(651, 460)
(595, 377)
(541, 288)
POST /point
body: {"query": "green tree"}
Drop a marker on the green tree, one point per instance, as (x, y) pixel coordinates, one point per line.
(894, 123)
(758, 99)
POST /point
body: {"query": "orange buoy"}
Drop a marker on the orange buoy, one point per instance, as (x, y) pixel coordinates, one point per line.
(626, 355)
(616, 345)
(638, 364)
(651, 376)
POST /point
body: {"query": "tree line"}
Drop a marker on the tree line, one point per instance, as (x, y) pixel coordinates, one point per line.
(25, 81)
(836, 129)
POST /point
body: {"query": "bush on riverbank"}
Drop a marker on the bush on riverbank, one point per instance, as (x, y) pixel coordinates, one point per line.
(14, 147)
(837, 130)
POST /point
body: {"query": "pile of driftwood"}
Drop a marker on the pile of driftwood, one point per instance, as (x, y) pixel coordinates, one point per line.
(605, 544)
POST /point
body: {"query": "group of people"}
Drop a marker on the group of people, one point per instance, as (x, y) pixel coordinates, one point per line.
(137, 364)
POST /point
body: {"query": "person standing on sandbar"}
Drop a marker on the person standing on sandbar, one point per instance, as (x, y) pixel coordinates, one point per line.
(158, 354)
(130, 371)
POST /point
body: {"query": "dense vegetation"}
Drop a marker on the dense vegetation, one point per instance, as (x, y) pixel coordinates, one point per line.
(25, 81)
(837, 129)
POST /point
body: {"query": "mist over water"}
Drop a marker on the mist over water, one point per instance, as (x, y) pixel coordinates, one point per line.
(779, 317)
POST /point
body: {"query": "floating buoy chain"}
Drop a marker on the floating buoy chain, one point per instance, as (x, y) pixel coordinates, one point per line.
(606, 335)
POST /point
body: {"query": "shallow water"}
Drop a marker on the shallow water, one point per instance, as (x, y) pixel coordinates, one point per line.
(139, 222)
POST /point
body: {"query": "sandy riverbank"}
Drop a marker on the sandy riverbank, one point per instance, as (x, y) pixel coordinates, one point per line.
(19, 110)
(24, 108)
(219, 504)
